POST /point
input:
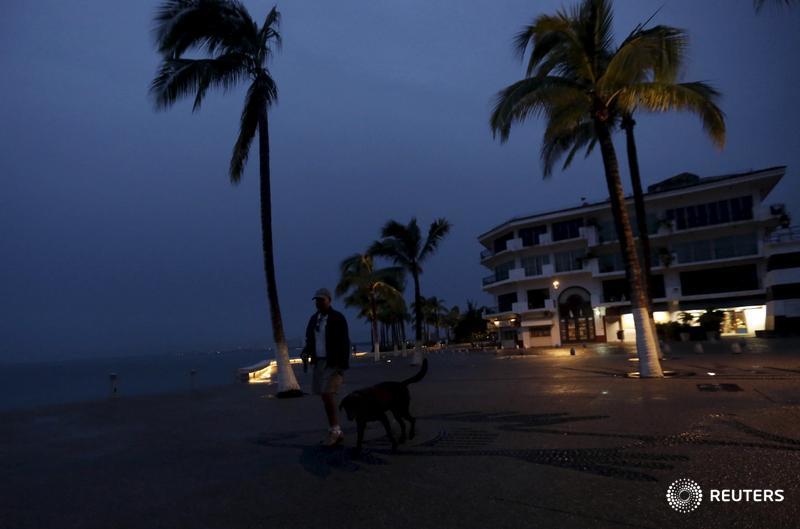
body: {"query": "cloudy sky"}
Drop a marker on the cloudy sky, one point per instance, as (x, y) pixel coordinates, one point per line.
(120, 233)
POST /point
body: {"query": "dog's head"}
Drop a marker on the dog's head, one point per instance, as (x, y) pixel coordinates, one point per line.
(351, 404)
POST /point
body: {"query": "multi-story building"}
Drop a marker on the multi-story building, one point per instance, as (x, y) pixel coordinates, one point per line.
(558, 277)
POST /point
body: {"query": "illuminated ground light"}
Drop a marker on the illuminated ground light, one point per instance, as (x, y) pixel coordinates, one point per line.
(667, 374)
(262, 372)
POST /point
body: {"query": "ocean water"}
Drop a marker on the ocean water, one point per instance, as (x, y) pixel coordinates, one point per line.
(30, 385)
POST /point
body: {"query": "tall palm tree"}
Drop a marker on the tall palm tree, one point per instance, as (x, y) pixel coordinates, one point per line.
(366, 287)
(575, 75)
(664, 69)
(404, 245)
(236, 50)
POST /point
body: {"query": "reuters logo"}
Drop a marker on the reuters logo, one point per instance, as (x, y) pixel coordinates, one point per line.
(684, 495)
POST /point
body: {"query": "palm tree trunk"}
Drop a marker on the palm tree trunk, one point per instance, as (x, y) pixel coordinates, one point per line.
(638, 200)
(418, 304)
(287, 383)
(376, 348)
(646, 342)
(417, 359)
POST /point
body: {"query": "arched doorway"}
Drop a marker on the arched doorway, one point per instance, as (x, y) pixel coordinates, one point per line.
(575, 315)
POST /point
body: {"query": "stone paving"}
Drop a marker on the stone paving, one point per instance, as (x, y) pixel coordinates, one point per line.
(533, 440)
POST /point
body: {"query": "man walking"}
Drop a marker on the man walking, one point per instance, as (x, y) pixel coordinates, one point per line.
(328, 347)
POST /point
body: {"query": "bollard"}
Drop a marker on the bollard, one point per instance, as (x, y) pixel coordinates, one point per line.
(666, 349)
(743, 345)
(572, 351)
(112, 377)
(736, 348)
(698, 348)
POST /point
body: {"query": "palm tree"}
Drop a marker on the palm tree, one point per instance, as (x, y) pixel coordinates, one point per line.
(236, 50)
(471, 325)
(403, 244)
(438, 311)
(575, 76)
(392, 314)
(367, 287)
(665, 69)
(451, 320)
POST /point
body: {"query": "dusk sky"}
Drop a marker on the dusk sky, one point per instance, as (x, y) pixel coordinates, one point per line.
(121, 234)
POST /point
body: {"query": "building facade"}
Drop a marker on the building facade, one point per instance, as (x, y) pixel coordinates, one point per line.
(716, 242)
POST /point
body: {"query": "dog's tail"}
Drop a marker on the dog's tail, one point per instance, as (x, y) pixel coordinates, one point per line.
(419, 376)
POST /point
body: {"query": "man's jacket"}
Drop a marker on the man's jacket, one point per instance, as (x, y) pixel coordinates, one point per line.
(337, 340)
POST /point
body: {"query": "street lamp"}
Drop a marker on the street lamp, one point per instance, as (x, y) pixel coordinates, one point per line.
(556, 283)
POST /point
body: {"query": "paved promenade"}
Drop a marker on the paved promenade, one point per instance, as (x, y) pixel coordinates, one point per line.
(537, 440)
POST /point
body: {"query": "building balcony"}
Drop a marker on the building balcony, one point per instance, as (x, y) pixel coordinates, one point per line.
(528, 306)
(512, 245)
(790, 234)
(589, 233)
(516, 274)
(773, 213)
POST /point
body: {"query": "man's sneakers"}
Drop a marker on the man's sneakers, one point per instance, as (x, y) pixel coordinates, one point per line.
(334, 437)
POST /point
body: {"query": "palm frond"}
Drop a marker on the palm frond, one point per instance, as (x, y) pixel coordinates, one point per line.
(542, 37)
(759, 4)
(270, 31)
(436, 232)
(696, 97)
(657, 53)
(556, 48)
(528, 97)
(261, 94)
(213, 25)
(179, 78)
(391, 249)
(568, 142)
(407, 237)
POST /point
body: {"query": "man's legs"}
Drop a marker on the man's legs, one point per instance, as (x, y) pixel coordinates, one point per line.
(329, 400)
(330, 383)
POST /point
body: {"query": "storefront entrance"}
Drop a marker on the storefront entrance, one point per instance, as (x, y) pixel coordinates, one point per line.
(575, 315)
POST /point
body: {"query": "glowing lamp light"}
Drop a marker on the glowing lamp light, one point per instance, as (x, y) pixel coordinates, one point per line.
(556, 284)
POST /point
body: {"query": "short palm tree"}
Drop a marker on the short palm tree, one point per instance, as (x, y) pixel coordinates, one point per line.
(576, 76)
(451, 320)
(471, 325)
(367, 287)
(392, 314)
(237, 50)
(437, 311)
(404, 245)
(664, 68)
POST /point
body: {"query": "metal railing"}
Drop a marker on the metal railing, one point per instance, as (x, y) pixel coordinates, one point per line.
(487, 253)
(792, 233)
(489, 280)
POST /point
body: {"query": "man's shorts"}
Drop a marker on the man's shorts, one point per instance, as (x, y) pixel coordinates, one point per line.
(325, 379)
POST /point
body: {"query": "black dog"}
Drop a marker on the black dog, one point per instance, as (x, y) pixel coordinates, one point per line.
(371, 404)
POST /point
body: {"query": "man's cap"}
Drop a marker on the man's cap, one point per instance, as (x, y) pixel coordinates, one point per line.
(323, 293)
